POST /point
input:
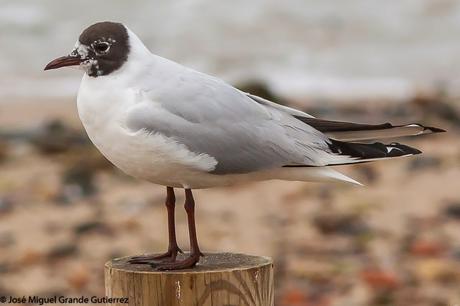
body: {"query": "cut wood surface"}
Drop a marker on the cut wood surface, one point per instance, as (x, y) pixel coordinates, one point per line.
(220, 279)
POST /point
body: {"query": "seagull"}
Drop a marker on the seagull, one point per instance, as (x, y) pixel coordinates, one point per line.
(159, 121)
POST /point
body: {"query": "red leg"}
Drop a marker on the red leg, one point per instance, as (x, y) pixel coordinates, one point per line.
(173, 248)
(195, 252)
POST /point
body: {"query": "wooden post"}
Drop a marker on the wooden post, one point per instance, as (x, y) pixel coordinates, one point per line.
(221, 279)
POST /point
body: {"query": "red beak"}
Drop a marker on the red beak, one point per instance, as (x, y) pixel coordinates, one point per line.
(64, 61)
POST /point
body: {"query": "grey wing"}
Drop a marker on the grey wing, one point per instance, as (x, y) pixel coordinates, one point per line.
(211, 117)
(238, 146)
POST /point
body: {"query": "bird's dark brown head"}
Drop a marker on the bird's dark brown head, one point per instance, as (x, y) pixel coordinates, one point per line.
(101, 49)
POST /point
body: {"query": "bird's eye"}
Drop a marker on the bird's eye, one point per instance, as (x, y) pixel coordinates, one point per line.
(102, 47)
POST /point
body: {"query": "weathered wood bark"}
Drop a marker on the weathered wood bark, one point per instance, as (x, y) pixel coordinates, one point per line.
(219, 280)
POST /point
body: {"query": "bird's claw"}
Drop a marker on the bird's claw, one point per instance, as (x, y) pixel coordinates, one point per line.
(169, 256)
(187, 263)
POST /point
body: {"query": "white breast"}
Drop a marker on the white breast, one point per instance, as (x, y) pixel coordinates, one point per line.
(102, 106)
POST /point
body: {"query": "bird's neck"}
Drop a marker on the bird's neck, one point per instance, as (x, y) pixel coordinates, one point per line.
(137, 47)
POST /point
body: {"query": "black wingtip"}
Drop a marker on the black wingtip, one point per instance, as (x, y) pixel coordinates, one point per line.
(371, 151)
(406, 149)
(401, 150)
(434, 129)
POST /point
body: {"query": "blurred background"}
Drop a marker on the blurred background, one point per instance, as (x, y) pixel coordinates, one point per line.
(64, 210)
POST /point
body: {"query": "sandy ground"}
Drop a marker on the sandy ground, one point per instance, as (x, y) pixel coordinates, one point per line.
(393, 242)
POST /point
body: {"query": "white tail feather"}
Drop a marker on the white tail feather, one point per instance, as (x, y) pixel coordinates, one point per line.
(337, 176)
(312, 174)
